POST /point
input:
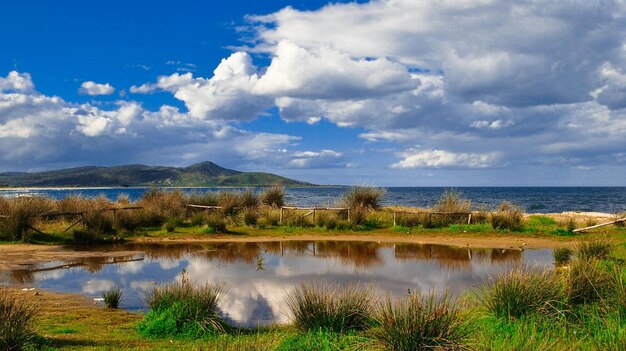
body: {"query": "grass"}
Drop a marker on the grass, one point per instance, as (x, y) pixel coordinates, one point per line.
(181, 308)
(589, 281)
(363, 198)
(421, 322)
(508, 216)
(597, 248)
(274, 197)
(16, 321)
(562, 255)
(331, 308)
(520, 292)
(112, 297)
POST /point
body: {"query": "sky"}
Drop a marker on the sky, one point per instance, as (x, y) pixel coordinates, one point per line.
(379, 92)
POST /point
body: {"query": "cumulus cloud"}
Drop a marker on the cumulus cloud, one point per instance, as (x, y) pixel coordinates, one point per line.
(444, 159)
(95, 89)
(46, 131)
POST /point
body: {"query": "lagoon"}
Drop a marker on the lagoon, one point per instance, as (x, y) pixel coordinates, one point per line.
(260, 274)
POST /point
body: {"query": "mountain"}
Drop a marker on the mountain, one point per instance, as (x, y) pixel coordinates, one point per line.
(200, 174)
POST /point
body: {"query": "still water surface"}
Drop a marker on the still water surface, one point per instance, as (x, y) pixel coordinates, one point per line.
(259, 275)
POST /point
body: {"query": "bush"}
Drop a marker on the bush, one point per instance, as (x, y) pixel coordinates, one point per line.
(331, 308)
(274, 196)
(160, 205)
(16, 318)
(250, 217)
(230, 202)
(507, 216)
(520, 292)
(562, 255)
(589, 281)
(85, 236)
(112, 296)
(249, 200)
(363, 198)
(21, 214)
(171, 224)
(451, 201)
(421, 323)
(599, 249)
(181, 308)
(215, 222)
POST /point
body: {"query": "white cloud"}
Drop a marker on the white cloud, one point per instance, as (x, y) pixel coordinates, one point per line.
(95, 89)
(445, 159)
(17, 82)
(42, 131)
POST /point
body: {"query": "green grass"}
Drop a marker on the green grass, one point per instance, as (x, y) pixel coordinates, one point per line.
(420, 322)
(16, 321)
(331, 308)
(182, 309)
(112, 297)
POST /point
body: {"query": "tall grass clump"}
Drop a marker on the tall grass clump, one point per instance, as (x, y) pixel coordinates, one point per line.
(361, 200)
(331, 308)
(160, 205)
(215, 222)
(589, 280)
(16, 318)
(562, 255)
(507, 216)
(598, 248)
(112, 297)
(181, 308)
(421, 322)
(451, 201)
(230, 201)
(520, 292)
(619, 284)
(249, 200)
(21, 215)
(274, 196)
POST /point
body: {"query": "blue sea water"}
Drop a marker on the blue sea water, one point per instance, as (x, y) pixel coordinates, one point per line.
(532, 199)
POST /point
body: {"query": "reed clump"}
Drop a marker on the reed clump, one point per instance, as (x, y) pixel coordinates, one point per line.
(159, 205)
(421, 322)
(112, 297)
(507, 216)
(21, 214)
(562, 255)
(361, 200)
(181, 308)
(274, 196)
(589, 280)
(521, 292)
(451, 201)
(598, 249)
(16, 321)
(331, 308)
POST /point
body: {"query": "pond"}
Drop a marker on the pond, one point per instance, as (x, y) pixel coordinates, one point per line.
(260, 274)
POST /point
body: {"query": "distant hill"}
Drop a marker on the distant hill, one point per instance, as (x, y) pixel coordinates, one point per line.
(201, 174)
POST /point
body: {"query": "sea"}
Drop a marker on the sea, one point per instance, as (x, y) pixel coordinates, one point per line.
(532, 199)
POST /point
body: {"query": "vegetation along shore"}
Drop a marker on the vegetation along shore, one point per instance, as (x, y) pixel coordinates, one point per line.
(578, 304)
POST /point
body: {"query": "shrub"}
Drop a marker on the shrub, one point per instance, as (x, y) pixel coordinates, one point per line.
(112, 296)
(85, 236)
(205, 199)
(331, 308)
(274, 196)
(171, 224)
(215, 222)
(520, 292)
(21, 214)
(507, 216)
(363, 198)
(181, 308)
(249, 200)
(599, 249)
(451, 201)
(159, 205)
(16, 317)
(250, 217)
(421, 323)
(230, 202)
(589, 281)
(562, 255)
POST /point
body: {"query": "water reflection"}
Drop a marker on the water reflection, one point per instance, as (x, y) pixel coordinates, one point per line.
(256, 296)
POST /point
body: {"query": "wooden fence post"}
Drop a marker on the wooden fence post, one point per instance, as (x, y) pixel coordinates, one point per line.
(280, 219)
(394, 218)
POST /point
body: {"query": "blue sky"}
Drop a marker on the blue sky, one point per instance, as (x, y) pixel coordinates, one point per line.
(395, 92)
